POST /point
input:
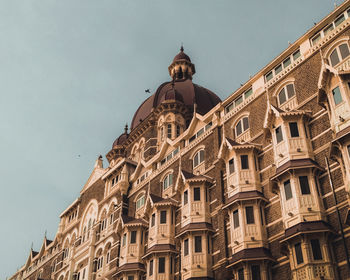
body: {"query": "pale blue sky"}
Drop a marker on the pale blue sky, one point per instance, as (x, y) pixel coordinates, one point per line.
(72, 73)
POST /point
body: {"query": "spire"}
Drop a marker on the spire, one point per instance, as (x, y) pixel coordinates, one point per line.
(182, 48)
(99, 162)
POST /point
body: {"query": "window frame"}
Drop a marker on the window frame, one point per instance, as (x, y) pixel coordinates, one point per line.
(167, 181)
(243, 125)
(199, 158)
(288, 94)
(198, 246)
(338, 52)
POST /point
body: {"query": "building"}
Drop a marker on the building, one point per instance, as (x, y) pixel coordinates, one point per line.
(242, 188)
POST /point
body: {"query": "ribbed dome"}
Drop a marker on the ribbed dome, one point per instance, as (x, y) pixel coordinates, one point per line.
(181, 56)
(183, 91)
(120, 140)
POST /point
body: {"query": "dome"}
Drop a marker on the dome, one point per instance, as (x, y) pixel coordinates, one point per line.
(181, 56)
(122, 138)
(183, 91)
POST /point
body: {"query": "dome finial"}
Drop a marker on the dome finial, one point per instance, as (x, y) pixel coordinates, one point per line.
(182, 47)
(126, 129)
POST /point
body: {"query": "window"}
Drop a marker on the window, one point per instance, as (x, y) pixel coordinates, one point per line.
(185, 247)
(298, 253)
(293, 127)
(235, 219)
(196, 194)
(163, 217)
(151, 268)
(200, 132)
(169, 131)
(249, 211)
(244, 162)
(140, 202)
(198, 244)
(130, 277)
(304, 185)
(124, 239)
(171, 265)
(242, 126)
(316, 249)
(153, 219)
(241, 274)
(198, 158)
(231, 166)
(337, 96)
(133, 237)
(339, 54)
(185, 197)
(286, 93)
(348, 148)
(238, 100)
(255, 272)
(287, 190)
(178, 131)
(168, 181)
(288, 61)
(161, 265)
(279, 135)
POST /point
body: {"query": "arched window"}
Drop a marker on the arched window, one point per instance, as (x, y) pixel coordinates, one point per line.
(167, 181)
(178, 131)
(242, 126)
(286, 93)
(338, 54)
(140, 202)
(198, 158)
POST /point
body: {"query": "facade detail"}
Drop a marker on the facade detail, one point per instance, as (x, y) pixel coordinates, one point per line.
(253, 187)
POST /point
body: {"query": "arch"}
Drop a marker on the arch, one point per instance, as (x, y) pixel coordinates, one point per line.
(334, 44)
(90, 213)
(198, 157)
(103, 212)
(167, 180)
(201, 147)
(285, 82)
(140, 200)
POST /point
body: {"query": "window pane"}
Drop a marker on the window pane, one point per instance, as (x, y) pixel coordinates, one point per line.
(316, 249)
(287, 62)
(201, 156)
(344, 51)
(171, 265)
(228, 108)
(244, 162)
(255, 272)
(298, 253)
(288, 190)
(161, 265)
(195, 160)
(348, 147)
(169, 130)
(239, 100)
(185, 247)
(241, 274)
(235, 219)
(282, 96)
(245, 124)
(163, 217)
(133, 237)
(279, 136)
(198, 244)
(328, 29)
(339, 20)
(131, 277)
(337, 96)
(151, 268)
(185, 197)
(334, 58)
(249, 211)
(200, 132)
(231, 166)
(293, 127)
(124, 239)
(290, 90)
(316, 39)
(196, 194)
(304, 185)
(239, 128)
(170, 179)
(248, 93)
(278, 69)
(269, 76)
(296, 55)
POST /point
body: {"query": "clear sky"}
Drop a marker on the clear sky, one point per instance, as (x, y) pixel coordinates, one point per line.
(72, 73)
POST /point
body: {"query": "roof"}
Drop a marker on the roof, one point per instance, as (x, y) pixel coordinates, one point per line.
(296, 164)
(160, 248)
(183, 91)
(251, 254)
(244, 196)
(195, 227)
(313, 226)
(181, 56)
(190, 177)
(130, 221)
(157, 200)
(130, 266)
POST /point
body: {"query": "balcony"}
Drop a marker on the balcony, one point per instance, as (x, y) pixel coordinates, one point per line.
(243, 181)
(196, 265)
(195, 212)
(314, 271)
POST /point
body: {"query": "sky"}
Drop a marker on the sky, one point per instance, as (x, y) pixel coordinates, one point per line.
(72, 73)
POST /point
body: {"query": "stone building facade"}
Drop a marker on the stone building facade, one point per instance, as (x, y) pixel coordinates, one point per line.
(252, 187)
